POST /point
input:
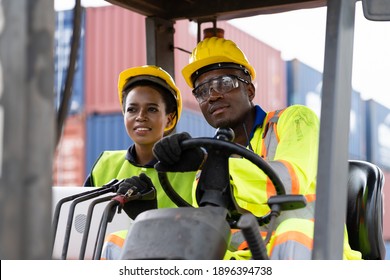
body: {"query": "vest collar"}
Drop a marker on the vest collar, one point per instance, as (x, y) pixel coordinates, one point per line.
(131, 157)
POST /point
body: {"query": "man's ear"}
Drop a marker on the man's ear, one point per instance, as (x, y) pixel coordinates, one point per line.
(251, 91)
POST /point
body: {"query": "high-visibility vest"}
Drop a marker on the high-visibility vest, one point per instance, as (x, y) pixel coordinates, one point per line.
(112, 164)
(288, 140)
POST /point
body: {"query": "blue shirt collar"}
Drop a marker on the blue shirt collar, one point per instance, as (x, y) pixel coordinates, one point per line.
(259, 119)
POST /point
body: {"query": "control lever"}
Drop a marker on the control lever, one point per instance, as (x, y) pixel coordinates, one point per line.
(279, 203)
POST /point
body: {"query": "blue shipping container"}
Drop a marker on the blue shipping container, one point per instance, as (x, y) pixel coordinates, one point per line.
(104, 132)
(378, 134)
(195, 124)
(304, 86)
(62, 45)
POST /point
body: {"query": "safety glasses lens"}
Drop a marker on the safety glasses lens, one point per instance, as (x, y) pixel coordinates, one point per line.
(221, 84)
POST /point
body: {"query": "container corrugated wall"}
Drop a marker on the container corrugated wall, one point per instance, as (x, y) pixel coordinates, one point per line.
(304, 86)
(112, 30)
(115, 40)
(62, 46)
(270, 68)
(69, 161)
(104, 132)
(195, 124)
(386, 216)
(378, 134)
(387, 245)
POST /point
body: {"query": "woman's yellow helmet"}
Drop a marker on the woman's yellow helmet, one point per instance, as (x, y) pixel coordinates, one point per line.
(155, 75)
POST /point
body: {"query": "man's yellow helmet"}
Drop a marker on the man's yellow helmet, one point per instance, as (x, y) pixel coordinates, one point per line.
(213, 53)
(155, 75)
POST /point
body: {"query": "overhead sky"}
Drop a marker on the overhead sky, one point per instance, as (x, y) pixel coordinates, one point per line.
(301, 34)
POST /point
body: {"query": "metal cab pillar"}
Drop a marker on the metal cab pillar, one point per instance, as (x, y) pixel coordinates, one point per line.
(26, 128)
(331, 202)
(159, 42)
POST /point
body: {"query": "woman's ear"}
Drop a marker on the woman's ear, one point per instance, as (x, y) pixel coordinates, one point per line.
(170, 118)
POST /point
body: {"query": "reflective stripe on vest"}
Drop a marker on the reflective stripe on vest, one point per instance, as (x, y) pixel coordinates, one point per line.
(289, 178)
(270, 135)
(283, 168)
(113, 244)
(270, 144)
(291, 244)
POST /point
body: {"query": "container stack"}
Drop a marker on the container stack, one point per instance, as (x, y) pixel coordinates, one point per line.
(304, 85)
(378, 150)
(69, 161)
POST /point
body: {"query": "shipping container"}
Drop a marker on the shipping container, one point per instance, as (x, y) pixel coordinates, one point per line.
(111, 30)
(114, 40)
(378, 134)
(386, 216)
(195, 124)
(270, 79)
(304, 86)
(69, 160)
(104, 132)
(62, 45)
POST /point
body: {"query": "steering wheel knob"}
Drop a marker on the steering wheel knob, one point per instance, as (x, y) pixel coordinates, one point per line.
(224, 133)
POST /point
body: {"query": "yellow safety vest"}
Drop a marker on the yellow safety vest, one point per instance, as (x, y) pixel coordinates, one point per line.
(288, 140)
(285, 140)
(113, 165)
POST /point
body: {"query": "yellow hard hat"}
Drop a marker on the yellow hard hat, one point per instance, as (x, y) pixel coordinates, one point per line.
(217, 53)
(155, 75)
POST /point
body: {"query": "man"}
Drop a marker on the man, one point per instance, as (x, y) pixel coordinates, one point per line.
(221, 78)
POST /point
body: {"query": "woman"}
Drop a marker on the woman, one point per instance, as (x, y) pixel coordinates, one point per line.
(151, 106)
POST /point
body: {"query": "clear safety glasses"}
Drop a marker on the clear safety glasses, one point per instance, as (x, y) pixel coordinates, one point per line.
(221, 84)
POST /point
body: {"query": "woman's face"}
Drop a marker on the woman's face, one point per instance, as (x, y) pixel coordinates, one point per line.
(145, 115)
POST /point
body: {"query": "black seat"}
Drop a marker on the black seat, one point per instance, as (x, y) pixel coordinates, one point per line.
(365, 209)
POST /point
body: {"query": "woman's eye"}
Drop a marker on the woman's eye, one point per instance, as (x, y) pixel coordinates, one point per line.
(130, 109)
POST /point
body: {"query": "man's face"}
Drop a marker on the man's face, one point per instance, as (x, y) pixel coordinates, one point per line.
(224, 97)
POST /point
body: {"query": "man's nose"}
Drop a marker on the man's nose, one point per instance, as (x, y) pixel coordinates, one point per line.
(214, 94)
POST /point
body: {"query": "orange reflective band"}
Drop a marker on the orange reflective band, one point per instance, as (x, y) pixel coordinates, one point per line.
(244, 244)
(293, 236)
(310, 198)
(263, 148)
(116, 240)
(276, 132)
(270, 188)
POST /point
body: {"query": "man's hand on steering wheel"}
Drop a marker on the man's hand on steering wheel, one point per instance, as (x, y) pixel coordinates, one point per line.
(172, 158)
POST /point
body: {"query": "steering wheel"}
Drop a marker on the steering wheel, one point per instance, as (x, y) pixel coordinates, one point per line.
(220, 146)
